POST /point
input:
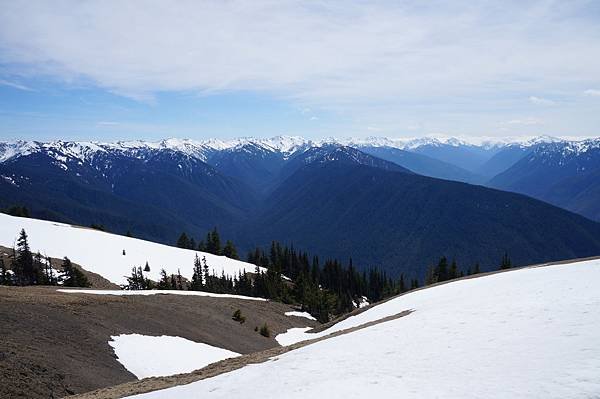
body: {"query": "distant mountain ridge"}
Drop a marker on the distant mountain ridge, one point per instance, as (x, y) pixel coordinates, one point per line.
(331, 198)
(566, 174)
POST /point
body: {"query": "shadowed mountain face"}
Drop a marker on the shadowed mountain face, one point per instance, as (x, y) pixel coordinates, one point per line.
(563, 174)
(424, 165)
(156, 196)
(406, 221)
(331, 199)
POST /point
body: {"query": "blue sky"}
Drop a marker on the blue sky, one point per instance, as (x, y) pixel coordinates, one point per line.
(114, 70)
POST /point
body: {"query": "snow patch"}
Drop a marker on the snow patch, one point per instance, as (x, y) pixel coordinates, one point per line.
(148, 356)
(158, 292)
(300, 314)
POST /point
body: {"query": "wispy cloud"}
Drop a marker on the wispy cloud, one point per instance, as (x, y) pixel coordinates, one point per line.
(592, 92)
(15, 85)
(541, 101)
(530, 121)
(332, 53)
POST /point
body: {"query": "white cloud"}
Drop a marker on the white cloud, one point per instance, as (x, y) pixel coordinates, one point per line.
(15, 85)
(328, 54)
(592, 92)
(530, 121)
(541, 101)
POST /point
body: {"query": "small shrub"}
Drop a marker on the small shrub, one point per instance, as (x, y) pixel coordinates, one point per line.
(237, 316)
(264, 331)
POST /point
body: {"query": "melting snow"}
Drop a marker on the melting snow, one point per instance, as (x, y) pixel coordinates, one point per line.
(148, 356)
(300, 314)
(158, 292)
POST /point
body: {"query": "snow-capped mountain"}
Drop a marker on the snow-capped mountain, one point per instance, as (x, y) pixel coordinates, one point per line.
(323, 197)
(563, 173)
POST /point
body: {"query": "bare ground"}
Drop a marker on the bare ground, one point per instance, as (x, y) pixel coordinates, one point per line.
(55, 344)
(157, 383)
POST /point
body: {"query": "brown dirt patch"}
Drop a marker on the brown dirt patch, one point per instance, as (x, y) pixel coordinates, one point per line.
(55, 344)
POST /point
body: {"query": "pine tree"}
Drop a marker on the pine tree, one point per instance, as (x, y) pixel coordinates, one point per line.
(213, 242)
(72, 276)
(147, 267)
(164, 283)
(179, 280)
(196, 284)
(23, 261)
(453, 273)
(442, 269)
(4, 276)
(505, 263)
(230, 251)
(183, 241)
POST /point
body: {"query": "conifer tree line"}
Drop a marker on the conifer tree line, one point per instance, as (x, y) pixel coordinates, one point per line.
(27, 268)
(211, 244)
(444, 272)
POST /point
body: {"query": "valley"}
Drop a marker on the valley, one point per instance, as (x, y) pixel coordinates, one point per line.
(259, 190)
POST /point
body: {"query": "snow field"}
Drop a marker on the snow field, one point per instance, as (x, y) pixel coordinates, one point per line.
(529, 333)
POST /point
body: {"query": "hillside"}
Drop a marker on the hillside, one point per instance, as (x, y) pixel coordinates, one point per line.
(520, 334)
(110, 255)
(67, 345)
(423, 165)
(249, 190)
(564, 174)
(406, 222)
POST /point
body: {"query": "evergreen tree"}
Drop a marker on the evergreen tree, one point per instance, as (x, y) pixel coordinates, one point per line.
(196, 284)
(453, 272)
(179, 280)
(72, 276)
(505, 263)
(442, 269)
(17, 210)
(165, 282)
(183, 241)
(230, 251)
(23, 261)
(213, 242)
(5, 278)
(137, 281)
(147, 267)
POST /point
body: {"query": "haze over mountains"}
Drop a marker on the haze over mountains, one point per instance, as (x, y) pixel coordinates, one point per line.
(391, 203)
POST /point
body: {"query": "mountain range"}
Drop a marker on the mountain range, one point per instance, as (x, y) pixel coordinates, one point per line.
(390, 203)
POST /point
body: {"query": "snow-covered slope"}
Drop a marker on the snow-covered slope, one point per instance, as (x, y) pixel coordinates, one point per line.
(102, 253)
(529, 333)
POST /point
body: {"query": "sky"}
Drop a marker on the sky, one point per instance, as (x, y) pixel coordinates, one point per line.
(112, 70)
